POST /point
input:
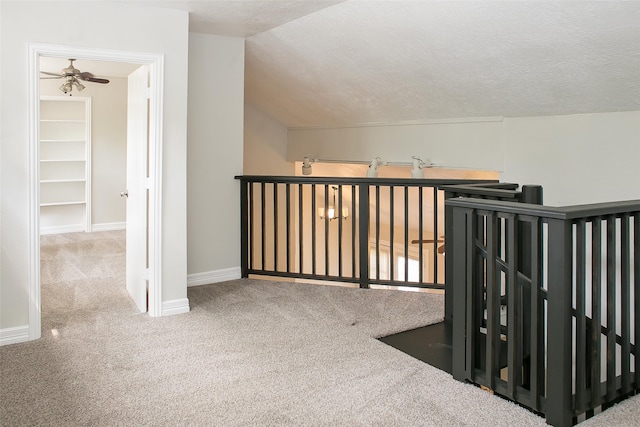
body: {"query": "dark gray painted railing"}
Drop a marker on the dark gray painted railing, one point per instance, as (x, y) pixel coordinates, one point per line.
(282, 234)
(496, 191)
(560, 334)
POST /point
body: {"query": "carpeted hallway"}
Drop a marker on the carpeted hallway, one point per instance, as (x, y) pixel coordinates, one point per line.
(249, 353)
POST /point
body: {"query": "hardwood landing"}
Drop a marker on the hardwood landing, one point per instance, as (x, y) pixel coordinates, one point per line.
(431, 344)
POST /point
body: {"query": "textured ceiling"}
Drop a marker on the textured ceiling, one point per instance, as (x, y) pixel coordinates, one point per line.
(329, 63)
(366, 61)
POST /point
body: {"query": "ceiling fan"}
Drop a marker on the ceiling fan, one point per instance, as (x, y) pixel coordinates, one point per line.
(440, 240)
(72, 78)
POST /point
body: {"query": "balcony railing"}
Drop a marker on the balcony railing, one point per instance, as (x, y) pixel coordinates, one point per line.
(367, 231)
(556, 327)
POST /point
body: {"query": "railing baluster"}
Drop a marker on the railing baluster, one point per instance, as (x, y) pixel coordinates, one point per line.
(313, 229)
(288, 227)
(377, 232)
(263, 223)
(420, 236)
(244, 229)
(514, 311)
(536, 376)
(275, 226)
(581, 324)
(406, 234)
(435, 234)
(340, 219)
(392, 275)
(363, 226)
(353, 231)
(251, 229)
(493, 302)
(300, 228)
(596, 314)
(611, 307)
(326, 230)
(625, 302)
(636, 296)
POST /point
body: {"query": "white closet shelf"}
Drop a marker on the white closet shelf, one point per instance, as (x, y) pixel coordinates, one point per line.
(62, 121)
(79, 141)
(50, 181)
(79, 202)
(65, 162)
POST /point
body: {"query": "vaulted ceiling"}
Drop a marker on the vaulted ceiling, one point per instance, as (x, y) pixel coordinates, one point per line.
(335, 63)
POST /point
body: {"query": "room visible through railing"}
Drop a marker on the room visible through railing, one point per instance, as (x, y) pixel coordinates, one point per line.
(366, 231)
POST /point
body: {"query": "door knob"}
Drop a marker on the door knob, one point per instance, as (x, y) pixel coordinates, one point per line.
(124, 193)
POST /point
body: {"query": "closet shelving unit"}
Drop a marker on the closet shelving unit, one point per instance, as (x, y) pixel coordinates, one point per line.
(65, 164)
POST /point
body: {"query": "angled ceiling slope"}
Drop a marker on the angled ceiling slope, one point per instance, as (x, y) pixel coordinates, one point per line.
(316, 63)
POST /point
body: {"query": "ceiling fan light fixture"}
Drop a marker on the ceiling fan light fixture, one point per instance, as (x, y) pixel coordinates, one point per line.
(66, 87)
(73, 77)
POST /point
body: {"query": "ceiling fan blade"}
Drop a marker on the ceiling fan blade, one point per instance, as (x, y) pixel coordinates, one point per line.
(51, 74)
(47, 78)
(88, 77)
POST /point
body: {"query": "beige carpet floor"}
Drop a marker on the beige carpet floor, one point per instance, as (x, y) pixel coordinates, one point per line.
(250, 353)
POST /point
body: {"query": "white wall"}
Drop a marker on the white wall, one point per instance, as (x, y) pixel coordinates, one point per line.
(578, 159)
(265, 145)
(216, 103)
(586, 158)
(108, 146)
(103, 25)
(470, 144)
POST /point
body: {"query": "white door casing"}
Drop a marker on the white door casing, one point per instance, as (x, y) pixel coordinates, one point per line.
(137, 142)
(155, 63)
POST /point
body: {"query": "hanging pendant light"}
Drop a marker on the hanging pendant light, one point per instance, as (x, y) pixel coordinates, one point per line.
(331, 212)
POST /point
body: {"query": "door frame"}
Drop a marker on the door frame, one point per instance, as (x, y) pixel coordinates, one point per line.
(156, 100)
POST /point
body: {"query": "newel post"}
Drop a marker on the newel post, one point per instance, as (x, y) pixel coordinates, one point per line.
(244, 229)
(363, 234)
(559, 325)
(461, 259)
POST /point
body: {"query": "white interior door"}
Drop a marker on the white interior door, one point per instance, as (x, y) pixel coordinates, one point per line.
(136, 192)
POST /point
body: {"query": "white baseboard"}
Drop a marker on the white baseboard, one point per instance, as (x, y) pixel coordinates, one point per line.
(14, 335)
(74, 228)
(109, 226)
(215, 276)
(176, 306)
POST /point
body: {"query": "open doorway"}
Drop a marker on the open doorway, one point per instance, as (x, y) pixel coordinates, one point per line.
(83, 168)
(150, 267)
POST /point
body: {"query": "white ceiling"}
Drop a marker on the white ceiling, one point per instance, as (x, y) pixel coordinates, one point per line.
(331, 63)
